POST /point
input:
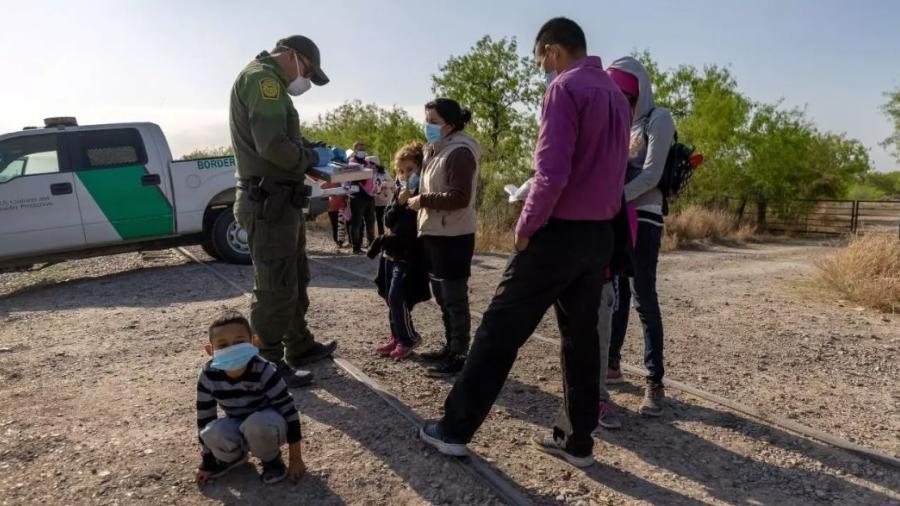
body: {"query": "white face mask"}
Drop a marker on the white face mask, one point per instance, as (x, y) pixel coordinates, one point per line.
(301, 84)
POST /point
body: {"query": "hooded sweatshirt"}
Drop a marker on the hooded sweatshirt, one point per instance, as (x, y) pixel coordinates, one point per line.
(652, 135)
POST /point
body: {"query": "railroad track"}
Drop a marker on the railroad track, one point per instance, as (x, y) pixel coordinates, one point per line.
(505, 489)
(771, 419)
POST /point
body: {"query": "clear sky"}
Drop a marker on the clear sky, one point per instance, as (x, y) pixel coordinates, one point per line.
(173, 62)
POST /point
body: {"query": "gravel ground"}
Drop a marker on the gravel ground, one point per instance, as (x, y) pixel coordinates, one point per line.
(98, 360)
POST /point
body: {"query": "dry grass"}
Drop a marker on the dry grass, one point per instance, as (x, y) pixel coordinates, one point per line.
(692, 225)
(496, 228)
(697, 224)
(866, 271)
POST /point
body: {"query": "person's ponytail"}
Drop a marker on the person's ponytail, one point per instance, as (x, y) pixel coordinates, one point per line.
(450, 111)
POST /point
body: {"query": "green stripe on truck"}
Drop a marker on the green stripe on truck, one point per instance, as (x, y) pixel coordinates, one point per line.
(134, 210)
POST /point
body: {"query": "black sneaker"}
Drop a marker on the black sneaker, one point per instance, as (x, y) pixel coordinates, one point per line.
(316, 353)
(436, 356)
(294, 378)
(450, 366)
(555, 447)
(217, 468)
(274, 471)
(431, 434)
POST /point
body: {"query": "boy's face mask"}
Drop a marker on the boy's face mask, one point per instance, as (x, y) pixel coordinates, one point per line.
(234, 357)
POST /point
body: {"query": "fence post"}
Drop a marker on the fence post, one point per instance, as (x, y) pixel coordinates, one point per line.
(854, 217)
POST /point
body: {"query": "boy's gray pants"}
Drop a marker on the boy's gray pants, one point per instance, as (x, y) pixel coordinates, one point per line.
(604, 329)
(262, 433)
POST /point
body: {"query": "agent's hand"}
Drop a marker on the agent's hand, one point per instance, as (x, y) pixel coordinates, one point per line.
(403, 196)
(201, 477)
(325, 155)
(521, 243)
(414, 203)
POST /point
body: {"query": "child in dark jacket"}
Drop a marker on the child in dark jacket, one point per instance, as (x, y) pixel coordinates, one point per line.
(402, 277)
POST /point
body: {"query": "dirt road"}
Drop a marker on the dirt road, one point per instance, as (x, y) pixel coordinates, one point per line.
(98, 362)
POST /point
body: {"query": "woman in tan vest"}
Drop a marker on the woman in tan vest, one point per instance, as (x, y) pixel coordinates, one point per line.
(446, 223)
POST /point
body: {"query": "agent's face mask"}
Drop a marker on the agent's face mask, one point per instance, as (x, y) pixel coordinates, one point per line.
(300, 84)
(234, 357)
(361, 154)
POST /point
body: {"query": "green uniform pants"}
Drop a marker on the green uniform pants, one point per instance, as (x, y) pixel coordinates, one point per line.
(281, 277)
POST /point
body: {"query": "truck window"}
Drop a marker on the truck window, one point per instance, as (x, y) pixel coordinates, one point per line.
(28, 156)
(110, 148)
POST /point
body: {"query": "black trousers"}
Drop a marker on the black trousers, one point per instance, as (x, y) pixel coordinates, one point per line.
(646, 303)
(333, 216)
(362, 215)
(379, 218)
(561, 267)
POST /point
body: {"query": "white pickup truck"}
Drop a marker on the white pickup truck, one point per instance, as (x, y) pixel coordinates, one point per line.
(69, 191)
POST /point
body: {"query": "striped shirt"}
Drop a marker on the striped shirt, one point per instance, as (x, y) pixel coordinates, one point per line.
(259, 388)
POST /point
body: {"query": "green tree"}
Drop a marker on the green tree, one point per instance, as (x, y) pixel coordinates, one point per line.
(753, 152)
(383, 130)
(892, 110)
(503, 90)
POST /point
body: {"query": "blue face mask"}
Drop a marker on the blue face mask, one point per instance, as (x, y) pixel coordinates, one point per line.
(549, 76)
(234, 357)
(432, 132)
(413, 183)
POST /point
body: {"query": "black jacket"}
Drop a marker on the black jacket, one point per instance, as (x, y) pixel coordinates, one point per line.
(402, 244)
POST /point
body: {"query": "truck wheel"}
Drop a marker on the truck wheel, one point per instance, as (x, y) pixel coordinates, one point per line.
(229, 240)
(210, 248)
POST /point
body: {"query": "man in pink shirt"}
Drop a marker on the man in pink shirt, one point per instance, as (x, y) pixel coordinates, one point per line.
(564, 241)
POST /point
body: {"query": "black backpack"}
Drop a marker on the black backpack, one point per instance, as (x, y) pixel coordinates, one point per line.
(677, 172)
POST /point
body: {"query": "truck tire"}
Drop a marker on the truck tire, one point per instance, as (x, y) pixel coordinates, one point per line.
(210, 248)
(229, 240)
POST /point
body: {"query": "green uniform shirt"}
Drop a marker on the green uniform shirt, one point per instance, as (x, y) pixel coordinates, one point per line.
(265, 127)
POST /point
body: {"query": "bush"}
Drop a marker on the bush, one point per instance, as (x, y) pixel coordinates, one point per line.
(699, 224)
(496, 227)
(866, 271)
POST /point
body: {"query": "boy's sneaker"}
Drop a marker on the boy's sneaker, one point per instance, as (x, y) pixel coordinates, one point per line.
(402, 351)
(384, 349)
(555, 447)
(217, 468)
(654, 396)
(274, 471)
(431, 434)
(436, 356)
(614, 376)
(448, 367)
(294, 378)
(608, 418)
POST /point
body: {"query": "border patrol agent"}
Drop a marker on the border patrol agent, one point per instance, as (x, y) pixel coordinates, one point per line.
(272, 160)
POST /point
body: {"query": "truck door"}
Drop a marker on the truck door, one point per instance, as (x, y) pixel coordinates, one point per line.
(39, 210)
(121, 200)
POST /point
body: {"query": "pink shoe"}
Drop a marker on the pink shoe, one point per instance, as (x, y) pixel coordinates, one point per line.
(401, 351)
(385, 348)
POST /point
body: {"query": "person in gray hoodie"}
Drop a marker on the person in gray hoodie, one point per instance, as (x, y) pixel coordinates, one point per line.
(652, 135)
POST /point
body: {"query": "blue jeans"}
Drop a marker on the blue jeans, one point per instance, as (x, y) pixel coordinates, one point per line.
(646, 303)
(398, 313)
